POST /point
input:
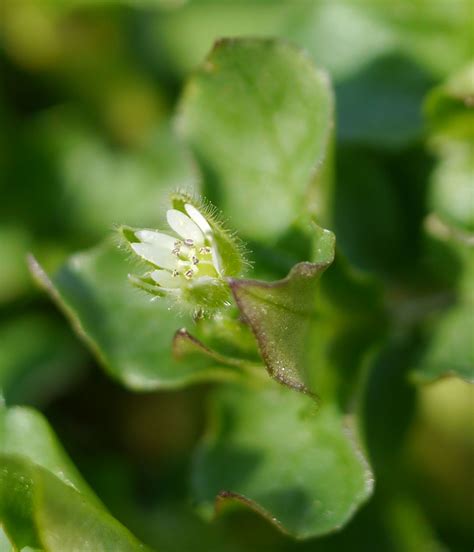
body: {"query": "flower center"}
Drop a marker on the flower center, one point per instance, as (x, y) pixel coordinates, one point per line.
(193, 260)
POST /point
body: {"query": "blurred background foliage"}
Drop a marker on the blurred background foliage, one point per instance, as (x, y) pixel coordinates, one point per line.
(88, 89)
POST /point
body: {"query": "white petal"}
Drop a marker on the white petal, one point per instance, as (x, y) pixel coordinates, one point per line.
(184, 226)
(156, 255)
(165, 279)
(216, 260)
(156, 238)
(198, 218)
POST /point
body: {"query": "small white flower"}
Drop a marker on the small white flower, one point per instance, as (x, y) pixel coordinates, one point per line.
(190, 263)
(190, 257)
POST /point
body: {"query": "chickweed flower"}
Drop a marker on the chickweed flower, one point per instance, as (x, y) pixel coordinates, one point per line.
(191, 260)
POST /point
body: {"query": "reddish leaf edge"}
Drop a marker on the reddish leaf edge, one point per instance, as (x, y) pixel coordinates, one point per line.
(305, 270)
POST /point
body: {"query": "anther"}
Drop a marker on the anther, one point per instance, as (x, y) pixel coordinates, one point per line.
(175, 251)
(189, 242)
(189, 273)
(205, 249)
(175, 273)
(195, 260)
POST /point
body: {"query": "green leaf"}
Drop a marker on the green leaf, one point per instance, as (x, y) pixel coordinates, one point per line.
(41, 511)
(450, 114)
(44, 502)
(17, 502)
(447, 347)
(311, 332)
(448, 107)
(451, 194)
(259, 116)
(24, 432)
(450, 349)
(276, 452)
(68, 522)
(446, 330)
(282, 316)
(451, 118)
(130, 335)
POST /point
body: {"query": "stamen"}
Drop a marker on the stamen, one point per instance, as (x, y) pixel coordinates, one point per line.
(205, 249)
(176, 251)
(178, 243)
(189, 274)
(195, 260)
(175, 273)
(189, 242)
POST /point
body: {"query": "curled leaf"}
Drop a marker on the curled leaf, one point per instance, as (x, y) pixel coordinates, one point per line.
(283, 316)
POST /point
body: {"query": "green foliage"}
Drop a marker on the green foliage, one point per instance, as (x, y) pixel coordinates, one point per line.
(131, 336)
(449, 109)
(258, 115)
(273, 450)
(283, 317)
(315, 349)
(44, 503)
(448, 348)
